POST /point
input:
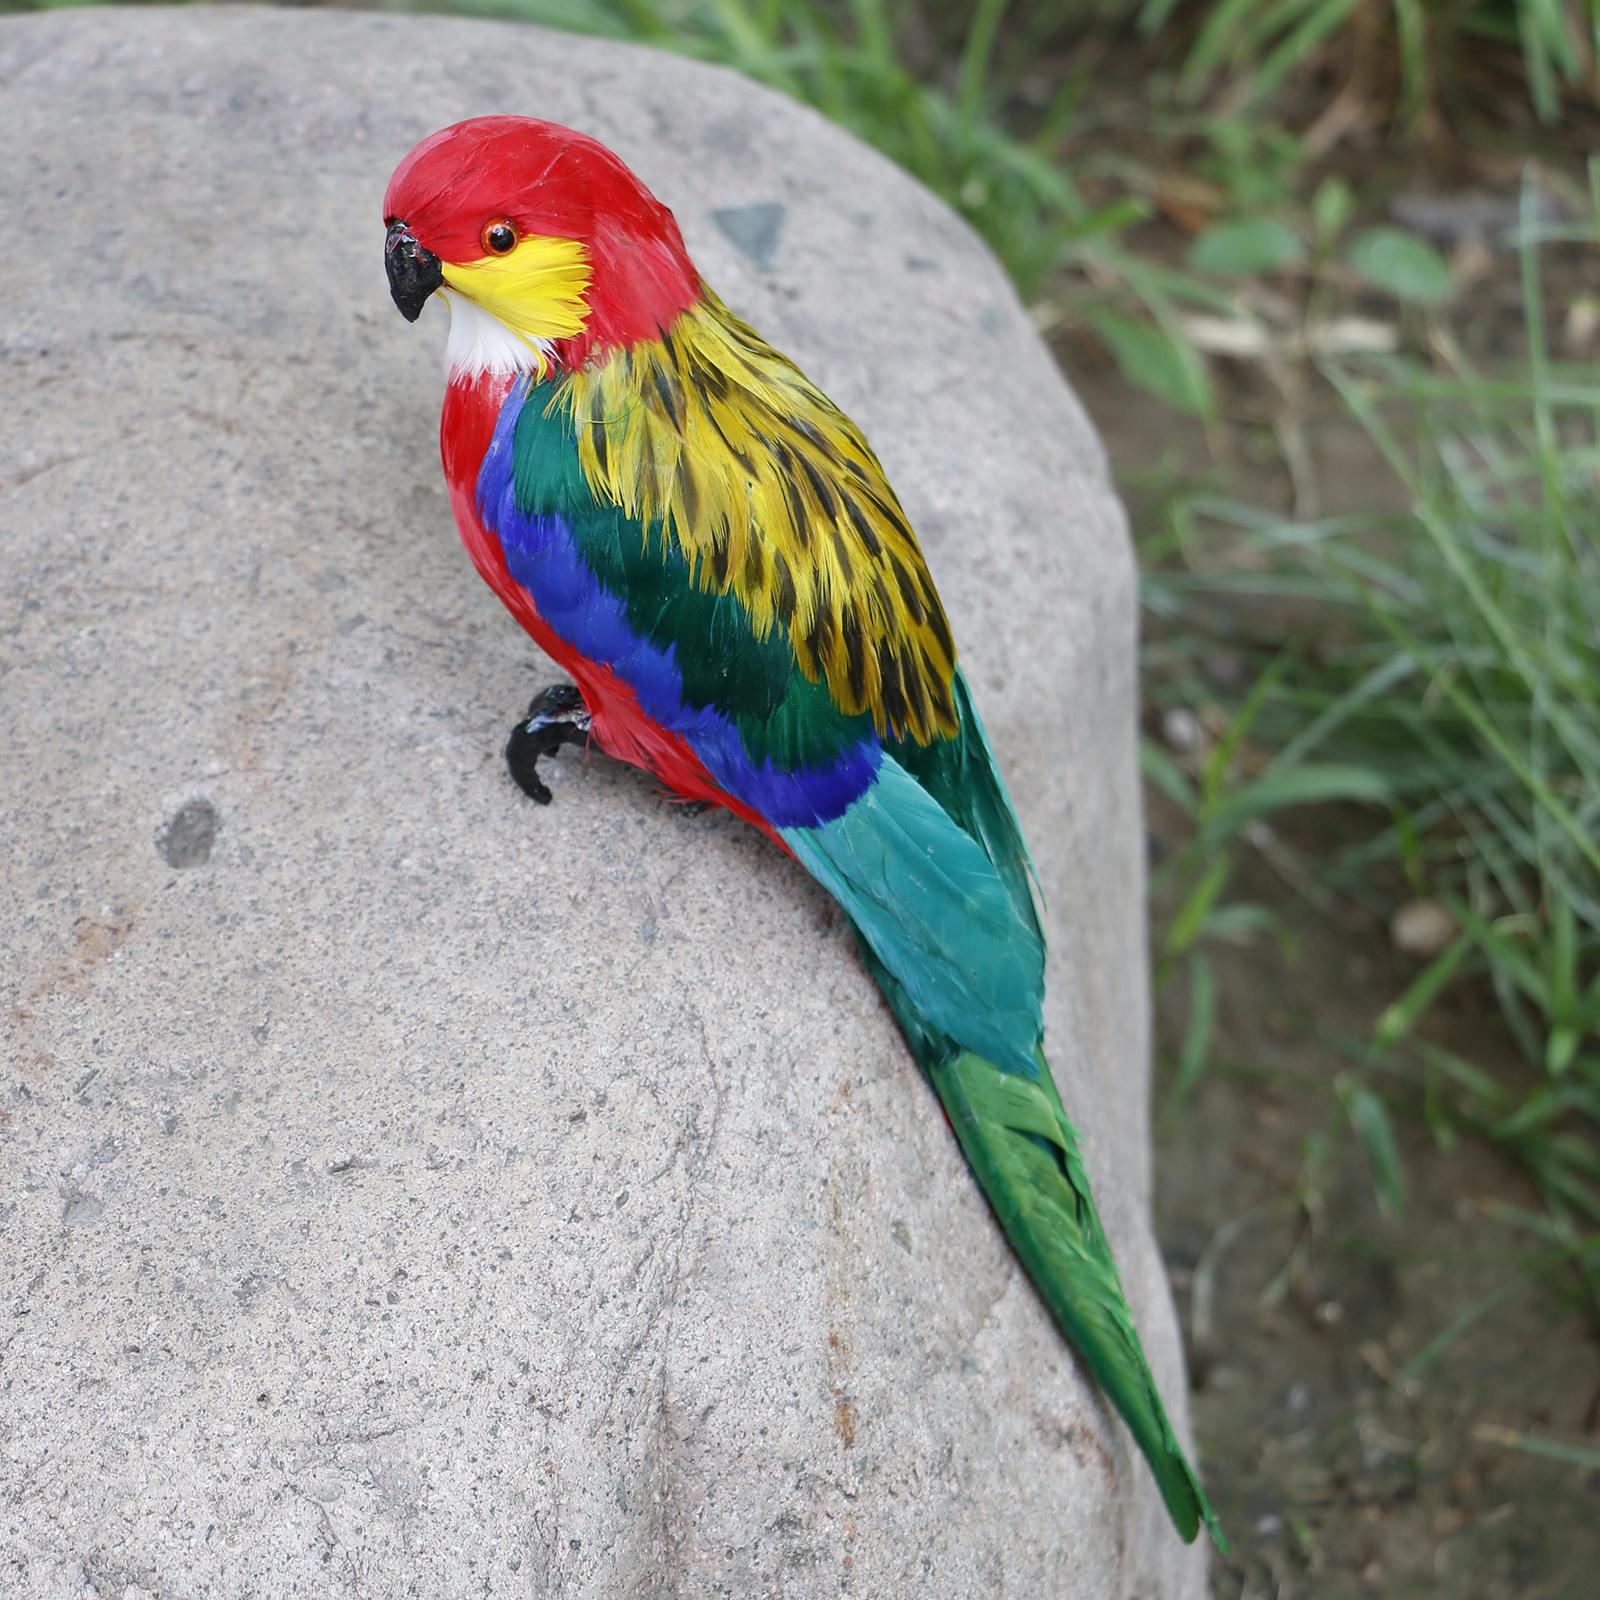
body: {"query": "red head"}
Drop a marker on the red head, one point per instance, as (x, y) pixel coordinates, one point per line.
(539, 227)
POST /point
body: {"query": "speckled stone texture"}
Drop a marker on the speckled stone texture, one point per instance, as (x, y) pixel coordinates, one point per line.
(405, 1190)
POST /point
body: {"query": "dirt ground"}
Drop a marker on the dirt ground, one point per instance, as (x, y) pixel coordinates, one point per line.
(1336, 1474)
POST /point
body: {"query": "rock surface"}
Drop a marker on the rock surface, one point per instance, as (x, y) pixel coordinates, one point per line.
(405, 1190)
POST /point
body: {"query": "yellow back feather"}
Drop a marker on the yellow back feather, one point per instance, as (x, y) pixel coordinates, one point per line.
(770, 491)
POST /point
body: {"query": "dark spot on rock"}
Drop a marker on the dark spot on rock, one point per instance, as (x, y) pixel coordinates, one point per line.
(187, 838)
(921, 264)
(82, 1211)
(754, 229)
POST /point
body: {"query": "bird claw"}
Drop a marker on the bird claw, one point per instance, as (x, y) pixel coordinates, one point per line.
(555, 716)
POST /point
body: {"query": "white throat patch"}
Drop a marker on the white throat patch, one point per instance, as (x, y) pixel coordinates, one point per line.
(480, 342)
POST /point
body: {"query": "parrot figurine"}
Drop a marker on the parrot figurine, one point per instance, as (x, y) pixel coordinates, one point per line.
(707, 545)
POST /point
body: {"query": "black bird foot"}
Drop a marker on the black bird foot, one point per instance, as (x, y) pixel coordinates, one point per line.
(555, 716)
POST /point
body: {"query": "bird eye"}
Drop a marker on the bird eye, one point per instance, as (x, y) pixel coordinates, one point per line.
(499, 237)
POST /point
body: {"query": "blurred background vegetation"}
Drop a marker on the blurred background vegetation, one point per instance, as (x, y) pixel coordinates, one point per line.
(1325, 273)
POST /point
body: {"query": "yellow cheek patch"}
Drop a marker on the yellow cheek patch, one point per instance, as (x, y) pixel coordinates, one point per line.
(537, 289)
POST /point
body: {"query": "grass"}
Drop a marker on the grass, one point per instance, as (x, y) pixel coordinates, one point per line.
(1455, 693)
(1257, 48)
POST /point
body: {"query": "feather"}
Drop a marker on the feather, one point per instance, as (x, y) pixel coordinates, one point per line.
(937, 915)
(1024, 1154)
(956, 948)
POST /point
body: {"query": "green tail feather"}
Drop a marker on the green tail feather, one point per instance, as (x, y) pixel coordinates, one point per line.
(1023, 1151)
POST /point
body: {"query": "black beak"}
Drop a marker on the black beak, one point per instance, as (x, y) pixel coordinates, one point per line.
(413, 271)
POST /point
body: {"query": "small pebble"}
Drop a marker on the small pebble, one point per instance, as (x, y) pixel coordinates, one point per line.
(1422, 928)
(1581, 325)
(1181, 730)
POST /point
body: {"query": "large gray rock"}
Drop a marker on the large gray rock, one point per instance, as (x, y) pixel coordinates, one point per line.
(405, 1190)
